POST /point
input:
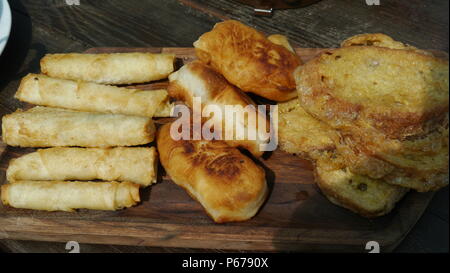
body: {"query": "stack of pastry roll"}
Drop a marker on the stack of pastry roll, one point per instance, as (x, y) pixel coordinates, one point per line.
(89, 127)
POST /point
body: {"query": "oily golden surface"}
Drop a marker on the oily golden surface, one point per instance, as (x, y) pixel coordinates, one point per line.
(420, 163)
(92, 97)
(419, 181)
(54, 127)
(229, 185)
(197, 80)
(68, 196)
(360, 194)
(425, 153)
(396, 92)
(113, 68)
(247, 59)
(300, 133)
(137, 165)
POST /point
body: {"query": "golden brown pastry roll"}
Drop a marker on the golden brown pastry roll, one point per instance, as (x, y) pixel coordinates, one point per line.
(229, 185)
(137, 165)
(48, 127)
(247, 59)
(68, 196)
(199, 80)
(114, 68)
(92, 97)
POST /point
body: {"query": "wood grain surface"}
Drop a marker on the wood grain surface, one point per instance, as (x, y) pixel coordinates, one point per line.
(295, 217)
(51, 26)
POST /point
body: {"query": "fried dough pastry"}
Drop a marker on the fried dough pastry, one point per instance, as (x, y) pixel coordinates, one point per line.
(199, 80)
(398, 93)
(229, 185)
(247, 59)
(300, 133)
(360, 194)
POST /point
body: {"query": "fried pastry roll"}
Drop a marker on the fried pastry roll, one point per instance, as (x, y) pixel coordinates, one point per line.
(68, 196)
(48, 127)
(113, 68)
(92, 97)
(137, 165)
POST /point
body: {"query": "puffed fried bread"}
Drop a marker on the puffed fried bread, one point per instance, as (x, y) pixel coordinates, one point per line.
(229, 185)
(247, 59)
(197, 80)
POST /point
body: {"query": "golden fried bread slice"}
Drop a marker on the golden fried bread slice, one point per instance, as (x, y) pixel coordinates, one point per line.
(359, 159)
(424, 153)
(360, 194)
(420, 164)
(247, 59)
(379, 40)
(398, 93)
(375, 39)
(419, 181)
(229, 185)
(300, 133)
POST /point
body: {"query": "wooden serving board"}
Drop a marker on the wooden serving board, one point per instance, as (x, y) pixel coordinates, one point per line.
(295, 217)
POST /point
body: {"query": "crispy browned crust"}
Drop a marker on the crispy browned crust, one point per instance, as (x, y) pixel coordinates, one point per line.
(247, 59)
(229, 185)
(323, 83)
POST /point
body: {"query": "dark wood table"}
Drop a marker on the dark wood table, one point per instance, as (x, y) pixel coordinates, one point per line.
(49, 26)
